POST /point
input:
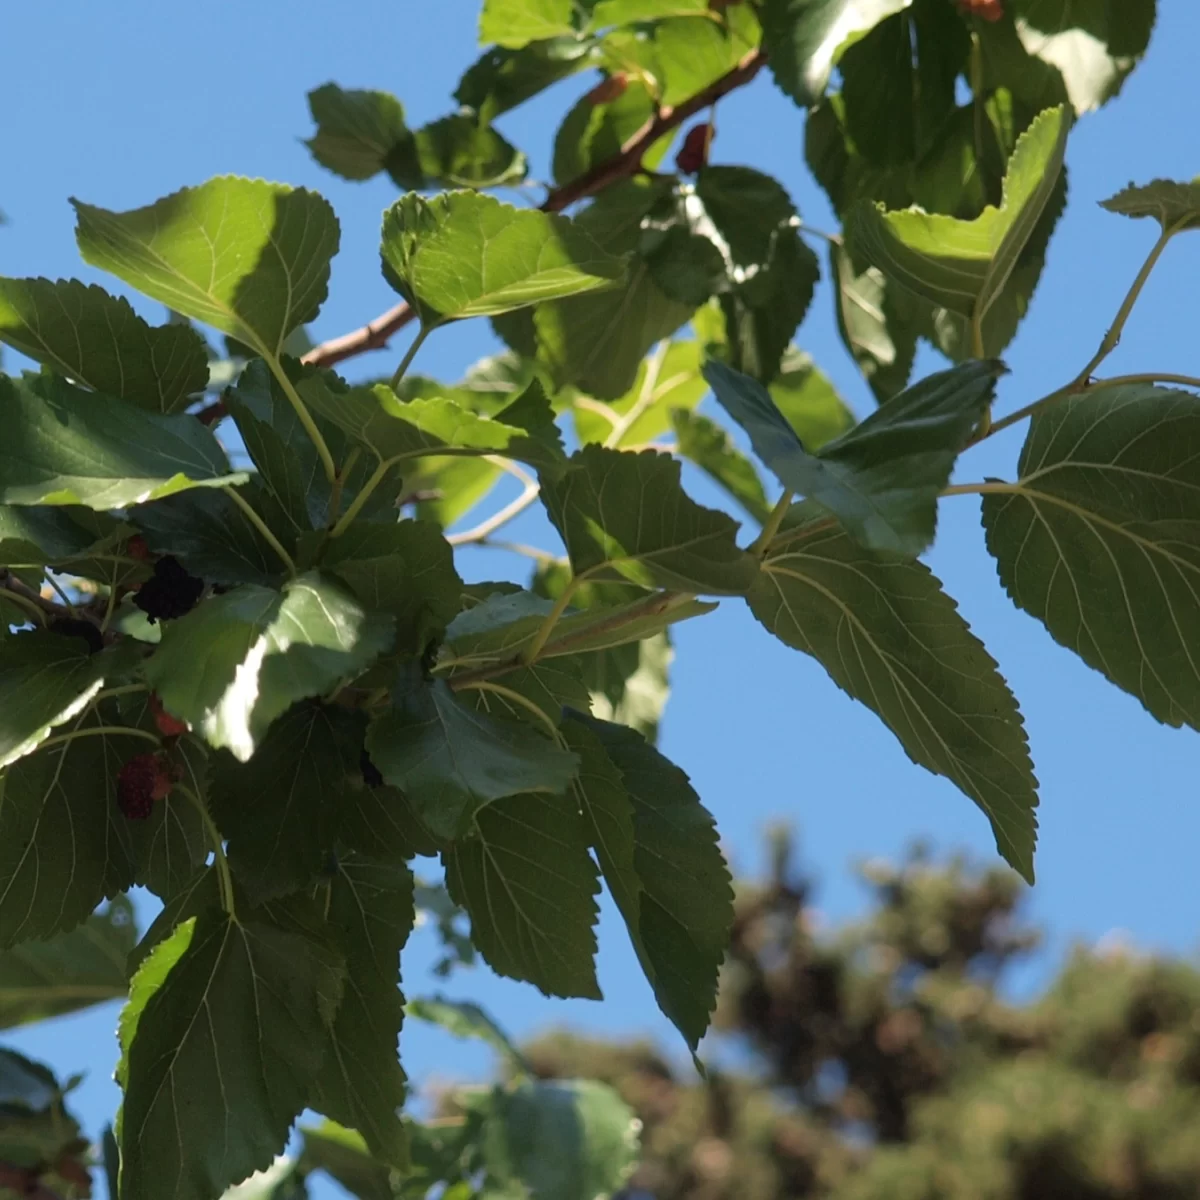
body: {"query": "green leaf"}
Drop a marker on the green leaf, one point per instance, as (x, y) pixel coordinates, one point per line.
(467, 1020)
(395, 430)
(529, 885)
(248, 258)
(343, 1154)
(663, 540)
(459, 151)
(657, 846)
(889, 636)
(567, 1140)
(500, 628)
(803, 38)
(360, 133)
(516, 23)
(872, 322)
(211, 536)
(66, 446)
(38, 1135)
(451, 761)
(695, 51)
(45, 680)
(667, 381)
(239, 660)
(283, 1180)
(536, 694)
(1175, 206)
(963, 266)
(39, 980)
(462, 254)
(597, 342)
(280, 810)
(594, 131)
(809, 402)
(1098, 538)
(503, 79)
(64, 845)
(171, 846)
(632, 12)
(224, 1033)
(98, 340)
(54, 535)
(708, 445)
(405, 568)
(883, 478)
(1094, 45)
(361, 1084)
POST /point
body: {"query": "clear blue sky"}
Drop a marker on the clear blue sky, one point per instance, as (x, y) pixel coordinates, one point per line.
(122, 103)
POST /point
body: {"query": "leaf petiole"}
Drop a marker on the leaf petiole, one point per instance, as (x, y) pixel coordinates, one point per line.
(305, 417)
(770, 528)
(261, 526)
(409, 355)
(530, 653)
(224, 878)
(60, 739)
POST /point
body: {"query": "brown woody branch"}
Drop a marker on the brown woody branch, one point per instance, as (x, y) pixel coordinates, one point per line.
(626, 163)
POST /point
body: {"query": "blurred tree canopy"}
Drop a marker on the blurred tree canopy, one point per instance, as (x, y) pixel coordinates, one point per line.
(885, 1062)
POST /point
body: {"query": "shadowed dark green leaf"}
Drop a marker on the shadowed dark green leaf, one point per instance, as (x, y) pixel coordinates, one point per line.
(883, 478)
(466, 1020)
(451, 761)
(225, 1030)
(502, 79)
(360, 133)
(63, 445)
(626, 516)
(343, 1154)
(247, 257)
(594, 130)
(889, 636)
(708, 445)
(462, 254)
(39, 980)
(1175, 206)
(404, 568)
(657, 846)
(98, 340)
(361, 1084)
(809, 402)
(239, 660)
(1099, 538)
(459, 151)
(803, 37)
(64, 845)
(32, 537)
(528, 883)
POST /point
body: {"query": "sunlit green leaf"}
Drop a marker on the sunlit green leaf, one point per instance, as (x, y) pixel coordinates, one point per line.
(502, 79)
(246, 257)
(515, 23)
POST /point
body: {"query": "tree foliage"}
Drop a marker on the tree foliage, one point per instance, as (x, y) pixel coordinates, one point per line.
(887, 1064)
(261, 693)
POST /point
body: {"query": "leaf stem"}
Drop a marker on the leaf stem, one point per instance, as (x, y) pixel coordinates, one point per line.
(126, 689)
(409, 355)
(770, 527)
(261, 526)
(993, 487)
(306, 419)
(60, 739)
(224, 878)
(24, 603)
(356, 505)
(530, 653)
(1113, 336)
(646, 397)
(513, 697)
(335, 492)
(1191, 381)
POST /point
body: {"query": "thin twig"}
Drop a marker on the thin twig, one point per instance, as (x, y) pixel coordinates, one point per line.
(481, 531)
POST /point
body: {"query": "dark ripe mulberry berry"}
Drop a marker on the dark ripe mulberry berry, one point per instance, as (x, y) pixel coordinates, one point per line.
(694, 152)
(168, 725)
(85, 630)
(144, 779)
(370, 772)
(170, 592)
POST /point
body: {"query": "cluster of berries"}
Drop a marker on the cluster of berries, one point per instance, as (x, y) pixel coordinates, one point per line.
(170, 591)
(147, 778)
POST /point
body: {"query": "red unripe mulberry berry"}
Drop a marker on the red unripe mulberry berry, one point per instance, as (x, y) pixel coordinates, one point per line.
(168, 725)
(136, 548)
(694, 152)
(144, 779)
(986, 10)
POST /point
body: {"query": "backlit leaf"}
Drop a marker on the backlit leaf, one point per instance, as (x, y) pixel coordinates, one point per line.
(1175, 206)
(889, 636)
(515, 23)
